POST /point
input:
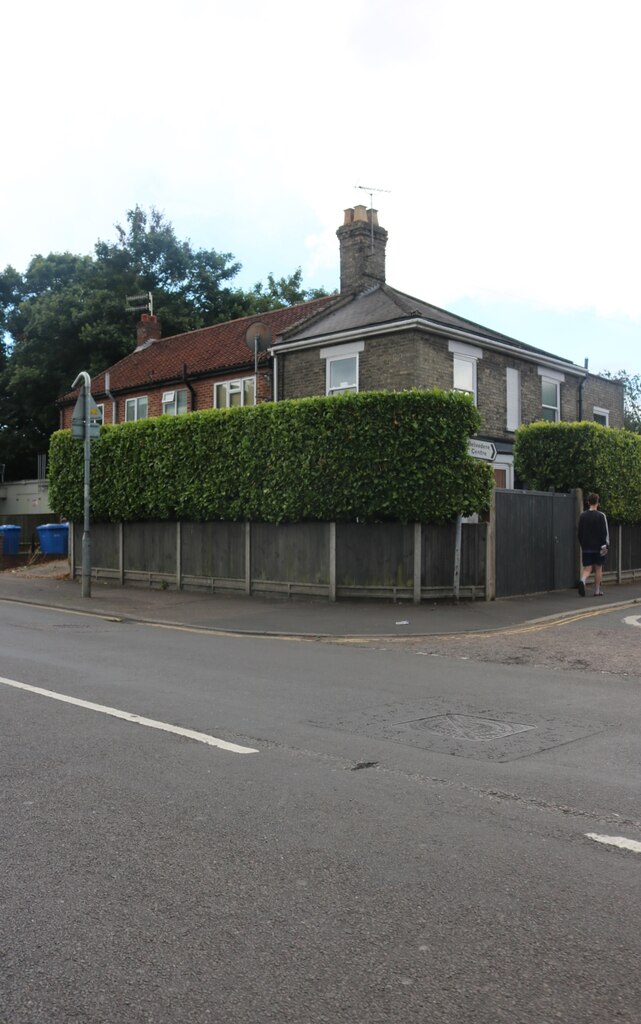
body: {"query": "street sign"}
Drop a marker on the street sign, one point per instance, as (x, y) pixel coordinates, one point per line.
(485, 450)
(78, 418)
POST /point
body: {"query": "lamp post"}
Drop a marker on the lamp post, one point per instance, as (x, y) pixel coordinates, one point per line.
(84, 402)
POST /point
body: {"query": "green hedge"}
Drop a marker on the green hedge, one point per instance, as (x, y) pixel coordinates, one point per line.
(586, 455)
(368, 457)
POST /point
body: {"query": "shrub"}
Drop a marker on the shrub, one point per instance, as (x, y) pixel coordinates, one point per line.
(368, 457)
(606, 460)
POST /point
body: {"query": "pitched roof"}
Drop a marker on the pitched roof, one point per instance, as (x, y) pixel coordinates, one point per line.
(384, 305)
(209, 350)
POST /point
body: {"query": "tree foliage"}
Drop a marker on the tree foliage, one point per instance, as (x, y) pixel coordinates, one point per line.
(67, 313)
(367, 457)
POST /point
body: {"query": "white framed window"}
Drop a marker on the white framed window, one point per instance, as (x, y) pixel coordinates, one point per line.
(550, 394)
(342, 375)
(229, 394)
(174, 403)
(341, 367)
(136, 409)
(601, 416)
(513, 399)
(100, 406)
(464, 368)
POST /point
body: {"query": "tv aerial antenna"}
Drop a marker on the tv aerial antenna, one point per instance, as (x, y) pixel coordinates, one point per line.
(370, 191)
(143, 302)
(258, 338)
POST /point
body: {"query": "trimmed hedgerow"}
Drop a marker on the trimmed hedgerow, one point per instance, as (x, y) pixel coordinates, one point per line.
(606, 460)
(368, 457)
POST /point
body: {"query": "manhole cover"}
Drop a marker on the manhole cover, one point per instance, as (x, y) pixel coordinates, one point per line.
(444, 726)
(468, 727)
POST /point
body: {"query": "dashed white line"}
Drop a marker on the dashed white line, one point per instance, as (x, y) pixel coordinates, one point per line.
(127, 716)
(620, 841)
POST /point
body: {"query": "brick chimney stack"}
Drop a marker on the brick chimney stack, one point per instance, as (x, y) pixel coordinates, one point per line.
(147, 330)
(362, 250)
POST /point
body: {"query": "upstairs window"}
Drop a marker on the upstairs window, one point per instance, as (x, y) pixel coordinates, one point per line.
(551, 382)
(174, 403)
(136, 409)
(512, 399)
(229, 394)
(341, 367)
(550, 400)
(342, 375)
(601, 416)
(464, 366)
(465, 375)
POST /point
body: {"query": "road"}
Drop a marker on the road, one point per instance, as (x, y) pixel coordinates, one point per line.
(402, 831)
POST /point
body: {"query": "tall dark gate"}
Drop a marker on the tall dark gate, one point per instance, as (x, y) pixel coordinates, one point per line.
(536, 547)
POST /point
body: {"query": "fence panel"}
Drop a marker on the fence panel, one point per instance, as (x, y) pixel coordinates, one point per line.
(374, 556)
(290, 552)
(535, 542)
(213, 551)
(150, 548)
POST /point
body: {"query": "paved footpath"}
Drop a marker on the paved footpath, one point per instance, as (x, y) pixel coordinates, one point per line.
(49, 584)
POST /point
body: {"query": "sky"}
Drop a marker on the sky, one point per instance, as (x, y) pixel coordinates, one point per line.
(499, 142)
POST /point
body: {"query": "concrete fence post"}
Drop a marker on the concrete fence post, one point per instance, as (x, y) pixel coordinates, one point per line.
(121, 553)
(490, 551)
(248, 558)
(179, 556)
(418, 562)
(331, 553)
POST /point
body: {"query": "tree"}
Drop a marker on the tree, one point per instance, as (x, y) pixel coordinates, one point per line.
(631, 398)
(67, 312)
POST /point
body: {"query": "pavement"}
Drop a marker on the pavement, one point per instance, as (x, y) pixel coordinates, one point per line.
(48, 584)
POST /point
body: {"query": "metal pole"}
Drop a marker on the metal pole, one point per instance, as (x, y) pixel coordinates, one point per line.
(86, 530)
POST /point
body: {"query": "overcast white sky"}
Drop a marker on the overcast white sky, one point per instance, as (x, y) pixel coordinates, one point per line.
(506, 133)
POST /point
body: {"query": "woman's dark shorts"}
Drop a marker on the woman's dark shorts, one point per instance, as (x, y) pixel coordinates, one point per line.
(592, 558)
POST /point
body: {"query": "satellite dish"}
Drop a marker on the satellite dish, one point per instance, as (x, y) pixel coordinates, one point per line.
(258, 337)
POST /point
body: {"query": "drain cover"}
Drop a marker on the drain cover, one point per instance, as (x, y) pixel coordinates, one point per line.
(468, 727)
(445, 726)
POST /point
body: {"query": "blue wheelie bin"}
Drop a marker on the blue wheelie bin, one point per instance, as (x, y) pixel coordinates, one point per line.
(10, 539)
(53, 538)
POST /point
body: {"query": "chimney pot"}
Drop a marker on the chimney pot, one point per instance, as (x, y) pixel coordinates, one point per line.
(148, 330)
(362, 250)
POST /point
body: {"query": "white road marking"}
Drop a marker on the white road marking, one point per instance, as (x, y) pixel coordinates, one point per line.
(633, 620)
(200, 737)
(620, 841)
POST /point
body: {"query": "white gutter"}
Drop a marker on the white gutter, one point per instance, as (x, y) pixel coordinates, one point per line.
(421, 323)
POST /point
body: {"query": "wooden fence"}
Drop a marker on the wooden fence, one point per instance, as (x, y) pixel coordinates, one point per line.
(528, 546)
(333, 560)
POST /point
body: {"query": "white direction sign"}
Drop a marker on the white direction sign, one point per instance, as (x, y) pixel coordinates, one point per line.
(481, 449)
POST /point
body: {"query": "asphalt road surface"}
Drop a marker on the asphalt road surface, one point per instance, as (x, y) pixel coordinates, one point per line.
(442, 830)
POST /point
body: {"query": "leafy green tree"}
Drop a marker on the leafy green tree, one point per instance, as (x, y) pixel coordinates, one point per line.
(67, 312)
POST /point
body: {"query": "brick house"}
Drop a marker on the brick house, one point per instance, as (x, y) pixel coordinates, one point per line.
(369, 336)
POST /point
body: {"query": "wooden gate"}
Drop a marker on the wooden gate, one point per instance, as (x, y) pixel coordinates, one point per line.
(536, 545)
